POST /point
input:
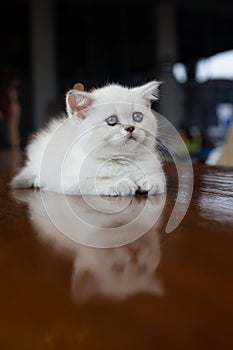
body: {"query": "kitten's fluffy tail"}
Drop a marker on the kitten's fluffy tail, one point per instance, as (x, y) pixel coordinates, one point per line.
(23, 180)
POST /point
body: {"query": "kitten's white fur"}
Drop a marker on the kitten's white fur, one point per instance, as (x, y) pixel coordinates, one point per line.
(83, 154)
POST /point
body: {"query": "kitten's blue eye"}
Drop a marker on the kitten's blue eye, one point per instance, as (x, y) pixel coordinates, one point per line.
(112, 120)
(137, 117)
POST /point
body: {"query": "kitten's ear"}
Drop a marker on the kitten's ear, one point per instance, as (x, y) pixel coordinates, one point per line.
(77, 103)
(149, 91)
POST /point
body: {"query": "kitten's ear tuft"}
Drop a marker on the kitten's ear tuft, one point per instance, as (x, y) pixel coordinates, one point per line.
(77, 103)
(149, 91)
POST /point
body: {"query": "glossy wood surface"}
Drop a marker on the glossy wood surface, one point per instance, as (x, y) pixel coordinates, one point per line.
(163, 291)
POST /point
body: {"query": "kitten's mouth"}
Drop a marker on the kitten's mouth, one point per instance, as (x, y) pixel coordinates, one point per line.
(130, 137)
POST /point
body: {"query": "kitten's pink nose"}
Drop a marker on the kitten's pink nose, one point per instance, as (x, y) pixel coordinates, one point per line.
(129, 128)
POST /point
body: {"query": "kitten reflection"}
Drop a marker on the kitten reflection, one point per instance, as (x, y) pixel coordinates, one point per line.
(114, 272)
(118, 272)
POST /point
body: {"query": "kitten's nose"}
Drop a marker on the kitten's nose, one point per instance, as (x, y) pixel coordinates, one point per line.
(129, 128)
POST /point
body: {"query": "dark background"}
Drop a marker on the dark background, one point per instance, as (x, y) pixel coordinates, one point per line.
(57, 43)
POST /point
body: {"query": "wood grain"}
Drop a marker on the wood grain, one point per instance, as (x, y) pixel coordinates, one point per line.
(164, 291)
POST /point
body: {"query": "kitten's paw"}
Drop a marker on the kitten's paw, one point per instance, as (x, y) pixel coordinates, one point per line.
(126, 188)
(122, 188)
(108, 191)
(156, 189)
(150, 186)
(143, 185)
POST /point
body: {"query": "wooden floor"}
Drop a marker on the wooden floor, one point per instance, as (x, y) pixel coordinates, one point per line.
(162, 291)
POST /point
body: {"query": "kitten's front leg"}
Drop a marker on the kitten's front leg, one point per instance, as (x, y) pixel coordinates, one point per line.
(116, 187)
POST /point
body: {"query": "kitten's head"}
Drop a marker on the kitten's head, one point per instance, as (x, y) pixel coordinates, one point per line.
(116, 115)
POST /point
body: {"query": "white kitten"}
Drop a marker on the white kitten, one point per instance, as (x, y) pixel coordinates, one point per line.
(106, 146)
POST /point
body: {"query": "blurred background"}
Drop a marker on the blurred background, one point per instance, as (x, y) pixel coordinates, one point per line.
(188, 45)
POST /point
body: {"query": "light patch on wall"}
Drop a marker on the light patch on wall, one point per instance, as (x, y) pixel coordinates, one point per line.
(219, 66)
(179, 72)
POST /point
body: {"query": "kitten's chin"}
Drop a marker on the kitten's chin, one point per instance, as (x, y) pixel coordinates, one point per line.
(127, 143)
